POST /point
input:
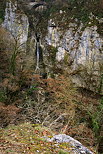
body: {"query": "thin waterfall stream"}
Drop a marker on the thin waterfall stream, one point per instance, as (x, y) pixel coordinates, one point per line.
(37, 52)
(38, 57)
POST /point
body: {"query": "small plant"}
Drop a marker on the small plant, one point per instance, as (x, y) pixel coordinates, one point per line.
(96, 118)
(52, 51)
(3, 96)
(32, 89)
(94, 121)
(62, 152)
(13, 61)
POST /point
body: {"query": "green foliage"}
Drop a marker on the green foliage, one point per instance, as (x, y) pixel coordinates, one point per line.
(79, 9)
(52, 50)
(3, 96)
(17, 47)
(62, 152)
(13, 60)
(96, 118)
(1, 16)
(92, 115)
(66, 58)
(54, 9)
(13, 63)
(32, 89)
(48, 1)
(84, 8)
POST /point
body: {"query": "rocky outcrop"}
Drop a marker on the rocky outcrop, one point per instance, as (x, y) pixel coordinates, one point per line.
(77, 147)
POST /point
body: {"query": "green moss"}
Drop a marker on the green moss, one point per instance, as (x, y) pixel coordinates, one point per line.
(52, 53)
(29, 138)
(62, 152)
(66, 58)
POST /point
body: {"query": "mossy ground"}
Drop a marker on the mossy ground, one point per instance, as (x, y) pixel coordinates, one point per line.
(28, 138)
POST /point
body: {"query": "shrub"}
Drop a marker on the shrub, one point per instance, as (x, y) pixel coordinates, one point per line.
(49, 101)
(8, 114)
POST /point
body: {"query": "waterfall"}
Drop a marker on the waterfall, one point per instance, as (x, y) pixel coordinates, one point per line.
(38, 56)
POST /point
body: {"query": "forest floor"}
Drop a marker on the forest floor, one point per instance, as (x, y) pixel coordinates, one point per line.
(28, 138)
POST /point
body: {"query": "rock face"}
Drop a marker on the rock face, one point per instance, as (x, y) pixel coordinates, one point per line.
(83, 46)
(78, 46)
(16, 23)
(77, 147)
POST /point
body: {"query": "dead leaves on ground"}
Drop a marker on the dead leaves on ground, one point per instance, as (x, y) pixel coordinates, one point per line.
(28, 138)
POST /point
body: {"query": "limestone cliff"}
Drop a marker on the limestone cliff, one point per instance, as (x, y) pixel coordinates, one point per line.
(81, 48)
